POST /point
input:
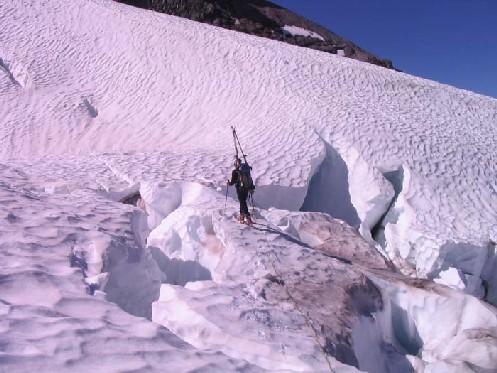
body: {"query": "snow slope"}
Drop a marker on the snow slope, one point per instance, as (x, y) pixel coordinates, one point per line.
(73, 83)
(99, 101)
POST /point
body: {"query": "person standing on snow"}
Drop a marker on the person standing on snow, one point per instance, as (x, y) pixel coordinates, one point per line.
(242, 193)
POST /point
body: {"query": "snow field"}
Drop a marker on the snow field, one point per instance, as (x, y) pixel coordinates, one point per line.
(95, 111)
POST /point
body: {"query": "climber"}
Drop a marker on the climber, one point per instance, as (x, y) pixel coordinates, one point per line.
(240, 177)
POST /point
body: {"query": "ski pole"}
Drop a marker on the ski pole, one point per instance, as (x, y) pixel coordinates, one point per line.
(226, 200)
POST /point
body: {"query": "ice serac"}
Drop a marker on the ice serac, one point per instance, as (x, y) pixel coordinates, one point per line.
(395, 204)
(329, 189)
(462, 264)
(348, 187)
(439, 327)
(304, 292)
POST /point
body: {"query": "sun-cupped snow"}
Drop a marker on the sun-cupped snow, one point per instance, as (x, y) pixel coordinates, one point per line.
(104, 105)
(59, 248)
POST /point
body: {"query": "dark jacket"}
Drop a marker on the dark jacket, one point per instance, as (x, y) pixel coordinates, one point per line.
(235, 179)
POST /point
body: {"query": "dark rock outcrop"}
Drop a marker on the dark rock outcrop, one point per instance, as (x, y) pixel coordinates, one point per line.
(260, 18)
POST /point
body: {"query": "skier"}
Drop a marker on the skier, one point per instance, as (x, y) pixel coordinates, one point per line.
(242, 192)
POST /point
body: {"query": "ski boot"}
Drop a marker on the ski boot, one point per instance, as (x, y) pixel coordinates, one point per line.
(248, 221)
(241, 218)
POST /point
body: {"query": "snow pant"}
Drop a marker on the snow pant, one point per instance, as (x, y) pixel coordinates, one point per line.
(242, 194)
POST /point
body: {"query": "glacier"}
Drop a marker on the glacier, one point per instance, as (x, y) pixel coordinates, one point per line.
(376, 203)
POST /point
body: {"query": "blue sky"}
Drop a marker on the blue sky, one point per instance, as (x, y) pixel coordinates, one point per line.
(450, 41)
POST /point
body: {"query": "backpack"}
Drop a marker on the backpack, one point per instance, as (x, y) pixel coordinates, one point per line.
(244, 177)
